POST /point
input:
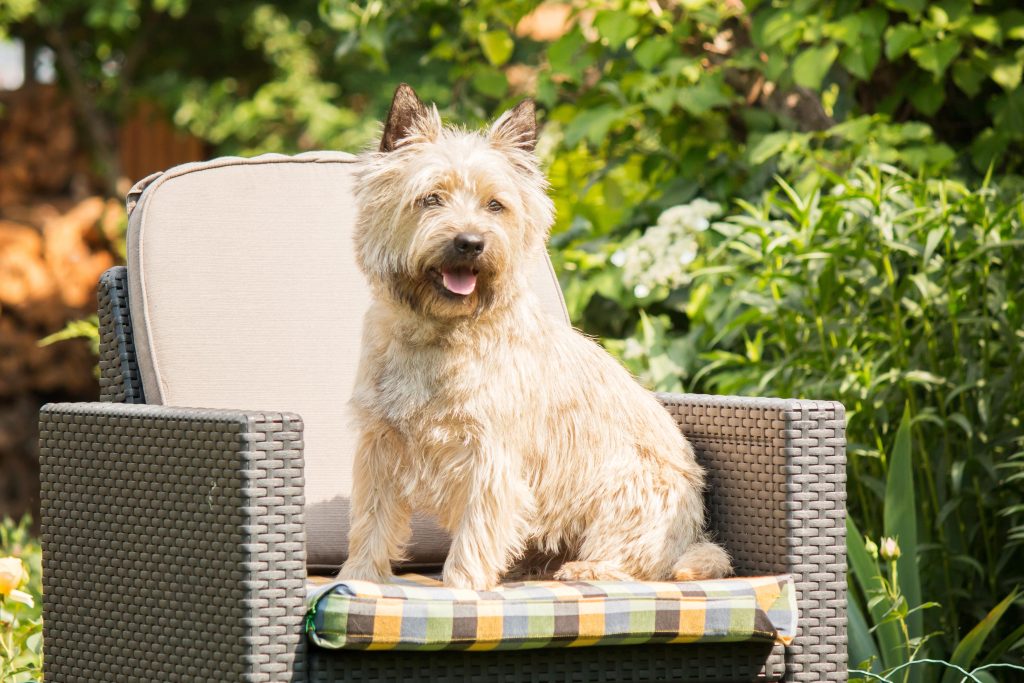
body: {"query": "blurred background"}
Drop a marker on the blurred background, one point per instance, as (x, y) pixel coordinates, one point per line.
(818, 199)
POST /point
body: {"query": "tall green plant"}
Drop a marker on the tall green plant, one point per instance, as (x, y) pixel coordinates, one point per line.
(880, 290)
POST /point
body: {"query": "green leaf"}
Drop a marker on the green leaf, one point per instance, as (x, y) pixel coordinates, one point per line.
(970, 646)
(490, 81)
(935, 57)
(910, 7)
(562, 55)
(1007, 72)
(1012, 22)
(592, 124)
(616, 27)
(810, 67)
(652, 52)
(700, 98)
(900, 520)
(864, 569)
(968, 76)
(862, 644)
(900, 38)
(928, 97)
(985, 27)
(497, 46)
(861, 58)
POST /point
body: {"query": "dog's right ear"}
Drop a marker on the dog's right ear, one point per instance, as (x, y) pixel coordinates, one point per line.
(408, 115)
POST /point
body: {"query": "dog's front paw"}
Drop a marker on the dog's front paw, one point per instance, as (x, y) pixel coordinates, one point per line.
(359, 571)
(456, 577)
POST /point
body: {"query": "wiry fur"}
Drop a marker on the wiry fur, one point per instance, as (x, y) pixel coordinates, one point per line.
(517, 432)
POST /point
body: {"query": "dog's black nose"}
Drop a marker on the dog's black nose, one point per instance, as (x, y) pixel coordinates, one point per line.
(469, 244)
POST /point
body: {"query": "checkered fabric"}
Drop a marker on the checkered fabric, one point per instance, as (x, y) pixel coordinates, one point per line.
(419, 613)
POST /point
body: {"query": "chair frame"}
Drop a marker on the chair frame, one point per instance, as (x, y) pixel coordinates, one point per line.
(174, 544)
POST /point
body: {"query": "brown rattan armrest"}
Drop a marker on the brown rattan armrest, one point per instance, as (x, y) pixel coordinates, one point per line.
(777, 501)
(173, 543)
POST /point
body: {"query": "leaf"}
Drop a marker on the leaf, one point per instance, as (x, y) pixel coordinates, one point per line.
(862, 644)
(900, 520)
(865, 571)
(497, 46)
(1007, 73)
(900, 38)
(910, 7)
(700, 98)
(985, 27)
(968, 76)
(861, 58)
(935, 57)
(810, 67)
(592, 124)
(964, 654)
(928, 98)
(616, 27)
(652, 52)
(490, 81)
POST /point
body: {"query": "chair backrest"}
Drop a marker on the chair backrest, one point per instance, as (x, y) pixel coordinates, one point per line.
(244, 293)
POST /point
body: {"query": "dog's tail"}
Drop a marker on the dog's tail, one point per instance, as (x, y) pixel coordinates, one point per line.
(702, 560)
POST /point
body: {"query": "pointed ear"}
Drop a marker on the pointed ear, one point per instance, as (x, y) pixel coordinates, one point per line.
(517, 127)
(404, 117)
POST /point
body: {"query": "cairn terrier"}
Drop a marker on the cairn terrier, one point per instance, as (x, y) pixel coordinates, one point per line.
(517, 432)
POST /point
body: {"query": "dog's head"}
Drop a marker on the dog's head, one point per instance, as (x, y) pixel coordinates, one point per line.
(448, 218)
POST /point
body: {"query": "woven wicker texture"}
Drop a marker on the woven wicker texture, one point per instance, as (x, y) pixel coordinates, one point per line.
(777, 478)
(119, 373)
(709, 663)
(126, 538)
(174, 547)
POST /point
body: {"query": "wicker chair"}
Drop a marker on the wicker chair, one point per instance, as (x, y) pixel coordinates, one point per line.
(149, 576)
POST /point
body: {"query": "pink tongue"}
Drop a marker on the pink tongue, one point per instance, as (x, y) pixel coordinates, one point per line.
(461, 282)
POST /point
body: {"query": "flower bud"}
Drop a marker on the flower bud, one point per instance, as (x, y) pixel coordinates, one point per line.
(890, 549)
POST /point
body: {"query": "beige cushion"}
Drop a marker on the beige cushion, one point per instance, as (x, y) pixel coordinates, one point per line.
(245, 294)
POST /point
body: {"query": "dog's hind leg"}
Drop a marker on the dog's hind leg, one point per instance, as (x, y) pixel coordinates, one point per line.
(702, 560)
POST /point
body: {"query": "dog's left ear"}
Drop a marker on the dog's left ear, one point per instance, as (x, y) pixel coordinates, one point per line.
(516, 128)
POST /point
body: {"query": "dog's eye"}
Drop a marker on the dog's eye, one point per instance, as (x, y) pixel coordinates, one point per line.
(432, 200)
(495, 206)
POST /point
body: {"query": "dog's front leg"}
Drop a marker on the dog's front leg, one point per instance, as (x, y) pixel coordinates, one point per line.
(380, 515)
(493, 529)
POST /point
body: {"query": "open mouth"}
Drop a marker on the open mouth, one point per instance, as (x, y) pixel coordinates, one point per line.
(458, 281)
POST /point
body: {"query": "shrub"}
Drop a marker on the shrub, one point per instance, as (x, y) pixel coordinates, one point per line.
(876, 289)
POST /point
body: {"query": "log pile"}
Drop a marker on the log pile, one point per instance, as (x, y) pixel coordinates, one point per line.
(39, 154)
(52, 251)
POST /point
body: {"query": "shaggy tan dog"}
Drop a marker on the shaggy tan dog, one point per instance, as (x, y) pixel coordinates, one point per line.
(517, 432)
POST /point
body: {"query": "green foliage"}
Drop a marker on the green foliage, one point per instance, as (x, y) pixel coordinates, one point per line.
(881, 291)
(863, 256)
(21, 626)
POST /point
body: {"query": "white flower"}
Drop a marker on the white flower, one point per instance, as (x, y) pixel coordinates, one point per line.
(659, 257)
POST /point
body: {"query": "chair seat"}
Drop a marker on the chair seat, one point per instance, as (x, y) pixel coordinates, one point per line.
(417, 612)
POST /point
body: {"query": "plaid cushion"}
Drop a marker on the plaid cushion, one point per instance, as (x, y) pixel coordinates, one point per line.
(418, 613)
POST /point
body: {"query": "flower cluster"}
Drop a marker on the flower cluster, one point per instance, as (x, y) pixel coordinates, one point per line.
(660, 256)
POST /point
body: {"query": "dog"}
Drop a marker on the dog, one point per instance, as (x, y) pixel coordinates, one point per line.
(518, 432)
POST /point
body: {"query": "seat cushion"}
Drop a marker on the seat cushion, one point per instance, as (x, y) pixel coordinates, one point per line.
(244, 293)
(416, 612)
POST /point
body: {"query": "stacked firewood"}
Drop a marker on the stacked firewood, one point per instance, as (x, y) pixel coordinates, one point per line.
(52, 253)
(53, 247)
(39, 154)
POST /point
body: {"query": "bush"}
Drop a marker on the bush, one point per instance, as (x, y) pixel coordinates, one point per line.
(876, 289)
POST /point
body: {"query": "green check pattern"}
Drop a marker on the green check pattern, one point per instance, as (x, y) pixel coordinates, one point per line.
(418, 613)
